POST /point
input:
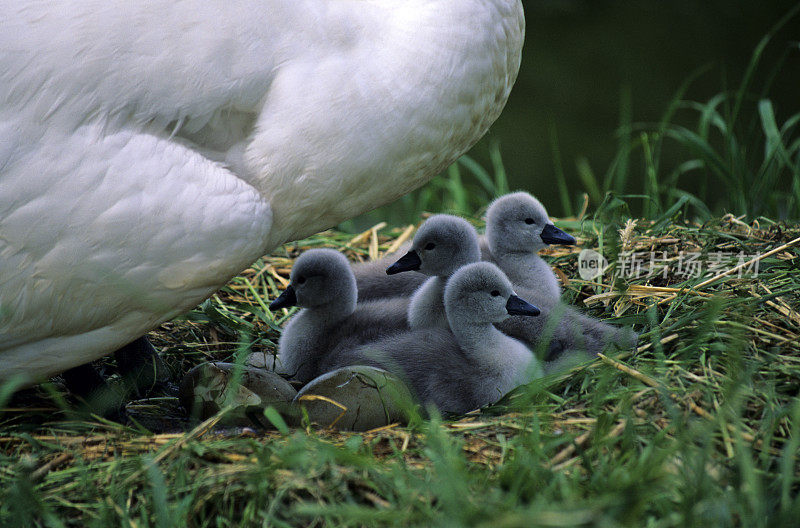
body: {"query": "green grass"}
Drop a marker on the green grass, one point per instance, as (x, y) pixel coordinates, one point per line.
(700, 426)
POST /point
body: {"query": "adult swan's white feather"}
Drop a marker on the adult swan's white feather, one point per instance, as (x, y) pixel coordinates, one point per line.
(151, 150)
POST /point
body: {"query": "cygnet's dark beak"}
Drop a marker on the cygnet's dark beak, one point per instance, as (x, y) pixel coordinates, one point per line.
(408, 262)
(285, 300)
(553, 235)
(517, 306)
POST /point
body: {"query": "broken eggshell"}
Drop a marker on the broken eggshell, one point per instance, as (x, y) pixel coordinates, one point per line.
(206, 388)
(355, 398)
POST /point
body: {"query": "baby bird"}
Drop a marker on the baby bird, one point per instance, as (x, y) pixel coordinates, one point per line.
(517, 228)
(443, 244)
(563, 333)
(466, 368)
(323, 284)
(373, 282)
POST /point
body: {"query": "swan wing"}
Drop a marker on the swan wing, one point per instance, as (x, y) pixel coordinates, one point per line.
(115, 234)
(156, 61)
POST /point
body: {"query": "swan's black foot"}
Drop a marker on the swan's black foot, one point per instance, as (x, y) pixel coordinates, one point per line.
(95, 395)
(84, 381)
(142, 369)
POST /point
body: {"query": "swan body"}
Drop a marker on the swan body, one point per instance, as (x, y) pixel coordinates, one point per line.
(466, 367)
(562, 334)
(149, 151)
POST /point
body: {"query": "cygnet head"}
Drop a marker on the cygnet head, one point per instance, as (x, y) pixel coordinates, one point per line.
(518, 222)
(443, 244)
(481, 293)
(319, 277)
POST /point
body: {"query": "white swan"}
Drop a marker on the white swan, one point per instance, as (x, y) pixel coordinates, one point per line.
(151, 150)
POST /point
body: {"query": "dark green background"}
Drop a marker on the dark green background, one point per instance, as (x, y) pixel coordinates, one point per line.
(582, 56)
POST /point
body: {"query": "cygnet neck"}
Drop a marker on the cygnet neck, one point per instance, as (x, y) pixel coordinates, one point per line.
(482, 341)
(426, 309)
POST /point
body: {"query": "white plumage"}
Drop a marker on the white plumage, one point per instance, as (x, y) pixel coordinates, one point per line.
(151, 150)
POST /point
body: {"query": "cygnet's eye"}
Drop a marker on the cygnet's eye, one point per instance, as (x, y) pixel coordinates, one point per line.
(495, 293)
(529, 221)
(429, 246)
(301, 280)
